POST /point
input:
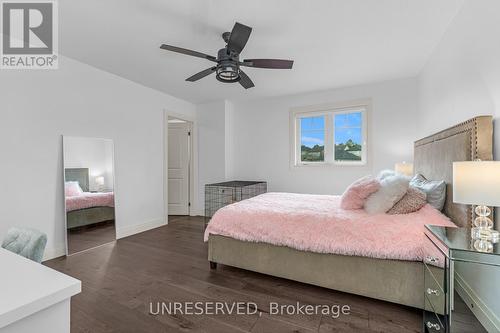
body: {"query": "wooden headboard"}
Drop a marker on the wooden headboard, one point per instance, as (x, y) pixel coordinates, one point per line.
(435, 154)
(80, 175)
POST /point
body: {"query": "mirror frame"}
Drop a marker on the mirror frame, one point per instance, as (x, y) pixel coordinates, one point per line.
(64, 144)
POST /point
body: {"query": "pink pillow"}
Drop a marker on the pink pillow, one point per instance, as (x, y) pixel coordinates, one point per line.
(355, 195)
(72, 189)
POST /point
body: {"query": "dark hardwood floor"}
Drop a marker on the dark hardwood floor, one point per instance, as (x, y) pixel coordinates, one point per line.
(87, 237)
(168, 264)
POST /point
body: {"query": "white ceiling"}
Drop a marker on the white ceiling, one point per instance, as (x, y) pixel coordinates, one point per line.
(335, 43)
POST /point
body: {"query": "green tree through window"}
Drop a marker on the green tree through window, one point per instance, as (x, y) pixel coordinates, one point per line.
(312, 139)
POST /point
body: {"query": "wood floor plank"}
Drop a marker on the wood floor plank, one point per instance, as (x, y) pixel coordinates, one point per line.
(169, 264)
(87, 237)
(267, 324)
(353, 322)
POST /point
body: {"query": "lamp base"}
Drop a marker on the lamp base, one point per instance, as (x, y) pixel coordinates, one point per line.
(482, 245)
(485, 234)
(482, 220)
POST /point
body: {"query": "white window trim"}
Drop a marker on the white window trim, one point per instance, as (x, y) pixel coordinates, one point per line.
(327, 110)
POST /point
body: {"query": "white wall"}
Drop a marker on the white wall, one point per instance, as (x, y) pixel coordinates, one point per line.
(462, 77)
(211, 118)
(229, 143)
(96, 154)
(37, 107)
(260, 134)
(462, 80)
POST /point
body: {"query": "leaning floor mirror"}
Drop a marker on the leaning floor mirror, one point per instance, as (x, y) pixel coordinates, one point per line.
(89, 195)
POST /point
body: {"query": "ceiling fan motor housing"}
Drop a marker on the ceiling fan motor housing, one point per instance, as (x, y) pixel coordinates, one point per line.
(227, 70)
(226, 35)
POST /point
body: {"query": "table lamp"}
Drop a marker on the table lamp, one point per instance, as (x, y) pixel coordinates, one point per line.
(404, 168)
(478, 183)
(99, 181)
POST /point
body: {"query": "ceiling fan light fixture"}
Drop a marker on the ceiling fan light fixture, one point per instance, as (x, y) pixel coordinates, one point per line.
(228, 73)
(228, 61)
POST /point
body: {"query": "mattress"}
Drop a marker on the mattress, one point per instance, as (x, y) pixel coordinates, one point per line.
(316, 223)
(90, 200)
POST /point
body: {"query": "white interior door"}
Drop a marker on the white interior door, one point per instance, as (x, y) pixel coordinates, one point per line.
(178, 168)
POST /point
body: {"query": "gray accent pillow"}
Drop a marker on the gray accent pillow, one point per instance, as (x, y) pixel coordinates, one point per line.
(434, 189)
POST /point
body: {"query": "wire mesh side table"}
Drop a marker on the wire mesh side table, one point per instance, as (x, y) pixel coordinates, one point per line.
(219, 195)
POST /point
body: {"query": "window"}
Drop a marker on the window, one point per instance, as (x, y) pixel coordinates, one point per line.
(329, 136)
(312, 139)
(348, 132)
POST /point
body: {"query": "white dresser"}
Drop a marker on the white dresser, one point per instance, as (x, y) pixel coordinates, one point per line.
(33, 297)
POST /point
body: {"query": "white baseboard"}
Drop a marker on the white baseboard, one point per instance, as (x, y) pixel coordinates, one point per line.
(126, 231)
(51, 253)
(485, 316)
(197, 212)
(60, 250)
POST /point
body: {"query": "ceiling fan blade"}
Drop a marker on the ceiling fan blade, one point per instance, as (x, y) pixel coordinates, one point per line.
(245, 80)
(239, 37)
(201, 74)
(268, 63)
(187, 52)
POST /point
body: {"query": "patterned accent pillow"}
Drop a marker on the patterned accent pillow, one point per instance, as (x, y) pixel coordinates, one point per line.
(413, 200)
(355, 195)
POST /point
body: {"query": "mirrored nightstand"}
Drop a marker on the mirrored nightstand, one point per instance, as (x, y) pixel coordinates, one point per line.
(454, 268)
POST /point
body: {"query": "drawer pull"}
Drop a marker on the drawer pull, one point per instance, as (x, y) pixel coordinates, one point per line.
(435, 326)
(431, 260)
(432, 291)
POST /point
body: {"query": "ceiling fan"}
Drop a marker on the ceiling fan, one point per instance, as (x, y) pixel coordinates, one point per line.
(228, 62)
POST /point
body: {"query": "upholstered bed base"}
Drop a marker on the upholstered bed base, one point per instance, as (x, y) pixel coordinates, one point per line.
(88, 216)
(395, 281)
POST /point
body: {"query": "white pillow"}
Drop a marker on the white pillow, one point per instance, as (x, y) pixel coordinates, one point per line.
(72, 189)
(385, 173)
(392, 189)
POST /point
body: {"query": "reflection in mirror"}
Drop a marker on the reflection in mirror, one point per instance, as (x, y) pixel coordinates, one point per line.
(89, 192)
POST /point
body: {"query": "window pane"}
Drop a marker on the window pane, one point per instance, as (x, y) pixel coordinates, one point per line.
(348, 136)
(312, 139)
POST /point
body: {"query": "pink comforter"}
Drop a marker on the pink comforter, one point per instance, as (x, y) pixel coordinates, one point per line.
(316, 223)
(89, 200)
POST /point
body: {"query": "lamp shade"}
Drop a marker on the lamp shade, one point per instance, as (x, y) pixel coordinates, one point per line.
(476, 183)
(99, 180)
(404, 168)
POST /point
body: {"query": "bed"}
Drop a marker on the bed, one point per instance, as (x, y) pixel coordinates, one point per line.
(395, 280)
(89, 207)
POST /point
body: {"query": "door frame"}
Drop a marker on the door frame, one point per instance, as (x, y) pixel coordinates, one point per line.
(192, 165)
